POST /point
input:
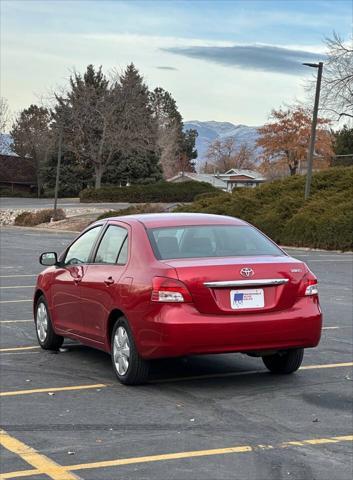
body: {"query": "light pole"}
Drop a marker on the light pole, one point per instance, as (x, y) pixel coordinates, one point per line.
(319, 66)
(58, 165)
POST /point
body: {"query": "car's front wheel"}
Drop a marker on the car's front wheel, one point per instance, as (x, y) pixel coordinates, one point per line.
(46, 336)
(130, 368)
(284, 362)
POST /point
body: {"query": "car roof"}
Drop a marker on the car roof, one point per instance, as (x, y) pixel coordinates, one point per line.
(157, 220)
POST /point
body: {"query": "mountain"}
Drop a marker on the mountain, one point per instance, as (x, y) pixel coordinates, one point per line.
(210, 131)
(5, 145)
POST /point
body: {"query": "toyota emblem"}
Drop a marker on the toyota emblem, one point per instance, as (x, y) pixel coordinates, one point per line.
(247, 272)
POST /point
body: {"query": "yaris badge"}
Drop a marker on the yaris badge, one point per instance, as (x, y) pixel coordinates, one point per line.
(247, 272)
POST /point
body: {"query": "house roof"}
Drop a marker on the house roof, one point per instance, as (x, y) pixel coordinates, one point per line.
(201, 177)
(234, 172)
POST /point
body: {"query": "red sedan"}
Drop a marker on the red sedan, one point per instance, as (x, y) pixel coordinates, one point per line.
(166, 285)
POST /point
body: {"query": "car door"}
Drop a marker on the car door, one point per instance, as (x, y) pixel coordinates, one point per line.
(65, 290)
(100, 287)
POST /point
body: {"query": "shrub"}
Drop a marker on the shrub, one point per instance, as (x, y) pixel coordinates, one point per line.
(30, 219)
(278, 208)
(156, 192)
(145, 208)
(201, 196)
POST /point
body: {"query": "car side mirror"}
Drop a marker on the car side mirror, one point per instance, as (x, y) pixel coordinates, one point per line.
(48, 259)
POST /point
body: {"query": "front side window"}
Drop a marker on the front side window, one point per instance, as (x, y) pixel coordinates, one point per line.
(113, 247)
(210, 241)
(80, 250)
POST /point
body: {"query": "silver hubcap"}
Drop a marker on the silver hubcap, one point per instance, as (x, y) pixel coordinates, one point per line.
(121, 351)
(42, 322)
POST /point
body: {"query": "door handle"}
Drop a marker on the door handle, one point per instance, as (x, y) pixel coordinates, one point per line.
(77, 280)
(109, 281)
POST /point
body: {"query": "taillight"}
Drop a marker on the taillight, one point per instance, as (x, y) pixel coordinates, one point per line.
(308, 285)
(169, 290)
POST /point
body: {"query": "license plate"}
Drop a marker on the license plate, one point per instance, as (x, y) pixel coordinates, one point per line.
(247, 298)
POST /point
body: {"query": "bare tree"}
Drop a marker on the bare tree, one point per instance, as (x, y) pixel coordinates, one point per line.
(4, 120)
(5, 114)
(337, 80)
(224, 154)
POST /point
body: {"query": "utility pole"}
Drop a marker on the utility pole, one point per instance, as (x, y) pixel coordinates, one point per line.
(58, 165)
(319, 66)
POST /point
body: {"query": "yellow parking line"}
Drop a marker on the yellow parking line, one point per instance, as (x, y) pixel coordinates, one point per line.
(247, 372)
(17, 286)
(159, 458)
(54, 389)
(15, 321)
(328, 365)
(17, 301)
(42, 464)
(13, 349)
(18, 275)
(188, 454)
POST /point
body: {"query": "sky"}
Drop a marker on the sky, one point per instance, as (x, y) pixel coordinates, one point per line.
(223, 60)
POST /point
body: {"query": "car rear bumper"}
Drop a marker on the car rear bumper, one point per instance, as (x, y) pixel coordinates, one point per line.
(178, 330)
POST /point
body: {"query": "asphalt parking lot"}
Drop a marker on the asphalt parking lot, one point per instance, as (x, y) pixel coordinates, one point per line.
(64, 416)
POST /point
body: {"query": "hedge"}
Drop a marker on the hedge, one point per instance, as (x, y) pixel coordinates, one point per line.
(278, 208)
(155, 192)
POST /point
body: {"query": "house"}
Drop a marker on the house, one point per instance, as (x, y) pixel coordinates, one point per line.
(241, 178)
(227, 181)
(198, 177)
(16, 173)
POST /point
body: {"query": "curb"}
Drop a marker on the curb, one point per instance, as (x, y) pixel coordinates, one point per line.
(308, 249)
(34, 229)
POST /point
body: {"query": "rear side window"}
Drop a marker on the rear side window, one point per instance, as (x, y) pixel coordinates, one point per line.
(113, 246)
(210, 241)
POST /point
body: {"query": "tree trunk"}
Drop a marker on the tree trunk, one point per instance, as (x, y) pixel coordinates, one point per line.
(292, 169)
(98, 169)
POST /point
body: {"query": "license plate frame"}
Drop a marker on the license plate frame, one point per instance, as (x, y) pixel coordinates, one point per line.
(247, 299)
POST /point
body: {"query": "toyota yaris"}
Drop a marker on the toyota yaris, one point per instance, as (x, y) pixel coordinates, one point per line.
(166, 285)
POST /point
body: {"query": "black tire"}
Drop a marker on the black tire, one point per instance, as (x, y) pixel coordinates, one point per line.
(49, 341)
(137, 368)
(284, 362)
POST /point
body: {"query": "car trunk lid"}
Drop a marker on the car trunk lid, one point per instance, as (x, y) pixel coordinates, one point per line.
(236, 285)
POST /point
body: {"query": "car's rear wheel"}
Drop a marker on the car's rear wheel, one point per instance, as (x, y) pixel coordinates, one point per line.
(129, 366)
(284, 362)
(46, 336)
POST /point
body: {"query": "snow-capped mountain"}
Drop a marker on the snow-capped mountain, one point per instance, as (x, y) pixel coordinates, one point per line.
(210, 131)
(5, 145)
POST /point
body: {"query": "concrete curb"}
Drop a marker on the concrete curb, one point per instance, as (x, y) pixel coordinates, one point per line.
(308, 249)
(34, 229)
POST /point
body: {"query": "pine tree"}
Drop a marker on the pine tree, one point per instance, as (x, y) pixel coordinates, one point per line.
(176, 146)
(138, 159)
(31, 138)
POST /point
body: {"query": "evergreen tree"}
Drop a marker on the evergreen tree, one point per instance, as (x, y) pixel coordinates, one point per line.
(31, 138)
(138, 160)
(176, 146)
(343, 145)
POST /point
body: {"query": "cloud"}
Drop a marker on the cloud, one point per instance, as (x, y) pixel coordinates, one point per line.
(252, 57)
(165, 67)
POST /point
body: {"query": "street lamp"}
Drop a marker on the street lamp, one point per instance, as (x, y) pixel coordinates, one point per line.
(319, 66)
(58, 165)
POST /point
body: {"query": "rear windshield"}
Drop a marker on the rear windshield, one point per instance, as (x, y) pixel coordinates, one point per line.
(210, 241)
